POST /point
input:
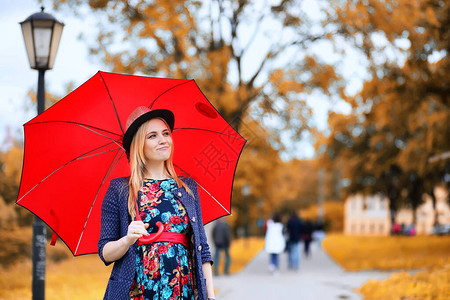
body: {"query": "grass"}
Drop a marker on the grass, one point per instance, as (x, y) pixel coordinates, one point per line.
(426, 285)
(85, 277)
(429, 254)
(241, 252)
(356, 253)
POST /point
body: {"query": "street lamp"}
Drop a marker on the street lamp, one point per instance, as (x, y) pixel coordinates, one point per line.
(321, 195)
(246, 192)
(41, 33)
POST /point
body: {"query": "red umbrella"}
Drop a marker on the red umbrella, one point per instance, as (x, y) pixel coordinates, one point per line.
(74, 149)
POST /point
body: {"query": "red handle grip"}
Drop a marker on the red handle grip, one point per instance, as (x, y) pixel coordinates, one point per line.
(152, 237)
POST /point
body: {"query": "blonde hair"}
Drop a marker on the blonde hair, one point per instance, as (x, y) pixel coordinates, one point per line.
(137, 166)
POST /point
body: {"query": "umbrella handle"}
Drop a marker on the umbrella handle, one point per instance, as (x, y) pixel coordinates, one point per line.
(152, 237)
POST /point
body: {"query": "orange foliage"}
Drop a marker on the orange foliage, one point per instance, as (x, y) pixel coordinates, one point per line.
(256, 158)
(12, 161)
(82, 277)
(431, 253)
(430, 284)
(16, 244)
(355, 253)
(7, 213)
(401, 115)
(241, 252)
(334, 215)
(219, 44)
(286, 82)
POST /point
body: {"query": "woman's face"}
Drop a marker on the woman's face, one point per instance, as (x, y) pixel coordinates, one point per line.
(158, 141)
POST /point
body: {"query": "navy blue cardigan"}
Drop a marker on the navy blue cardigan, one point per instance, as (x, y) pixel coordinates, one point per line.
(114, 225)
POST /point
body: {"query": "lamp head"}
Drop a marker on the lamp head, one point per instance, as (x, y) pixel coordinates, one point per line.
(42, 34)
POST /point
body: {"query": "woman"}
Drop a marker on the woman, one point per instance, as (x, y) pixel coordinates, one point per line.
(177, 264)
(275, 242)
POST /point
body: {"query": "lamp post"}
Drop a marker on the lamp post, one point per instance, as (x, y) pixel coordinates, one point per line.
(321, 195)
(246, 191)
(41, 33)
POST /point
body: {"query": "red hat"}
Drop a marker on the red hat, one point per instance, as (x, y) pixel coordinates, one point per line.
(141, 115)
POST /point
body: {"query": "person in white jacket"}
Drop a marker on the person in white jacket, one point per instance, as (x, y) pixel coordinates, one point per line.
(275, 242)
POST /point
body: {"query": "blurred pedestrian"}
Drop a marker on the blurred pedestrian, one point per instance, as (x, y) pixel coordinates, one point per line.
(274, 242)
(318, 234)
(222, 239)
(294, 231)
(396, 229)
(412, 230)
(307, 230)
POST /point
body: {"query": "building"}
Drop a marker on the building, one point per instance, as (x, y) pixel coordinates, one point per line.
(425, 214)
(369, 214)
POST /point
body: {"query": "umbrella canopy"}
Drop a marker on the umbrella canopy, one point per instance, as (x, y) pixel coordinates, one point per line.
(74, 149)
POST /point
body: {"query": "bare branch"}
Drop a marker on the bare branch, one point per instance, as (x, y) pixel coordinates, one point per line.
(254, 34)
(234, 22)
(261, 66)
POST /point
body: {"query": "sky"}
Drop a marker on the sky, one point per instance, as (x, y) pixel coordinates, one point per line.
(72, 64)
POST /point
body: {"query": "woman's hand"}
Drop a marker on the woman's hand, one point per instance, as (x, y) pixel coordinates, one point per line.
(136, 230)
(114, 250)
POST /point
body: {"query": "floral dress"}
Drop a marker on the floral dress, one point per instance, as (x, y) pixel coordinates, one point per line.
(163, 269)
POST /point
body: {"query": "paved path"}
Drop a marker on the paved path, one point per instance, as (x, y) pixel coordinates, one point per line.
(319, 277)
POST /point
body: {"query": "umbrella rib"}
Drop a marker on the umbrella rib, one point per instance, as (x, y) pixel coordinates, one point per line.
(90, 128)
(95, 154)
(210, 130)
(107, 137)
(112, 102)
(83, 156)
(217, 201)
(175, 86)
(80, 124)
(110, 169)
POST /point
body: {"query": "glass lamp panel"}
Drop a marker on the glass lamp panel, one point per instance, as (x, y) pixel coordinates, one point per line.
(28, 39)
(56, 38)
(42, 38)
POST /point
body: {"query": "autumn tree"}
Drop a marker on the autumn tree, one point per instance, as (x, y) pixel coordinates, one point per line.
(256, 172)
(10, 172)
(399, 120)
(245, 55)
(297, 184)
